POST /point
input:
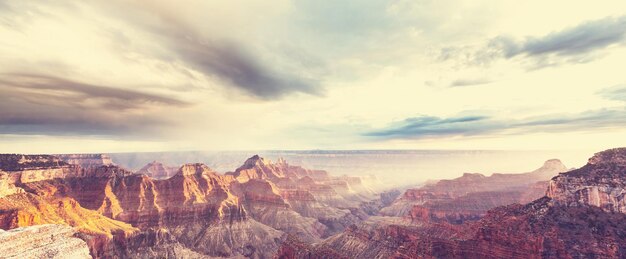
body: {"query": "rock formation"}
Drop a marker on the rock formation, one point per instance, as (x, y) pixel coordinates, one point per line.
(601, 183)
(158, 170)
(42, 241)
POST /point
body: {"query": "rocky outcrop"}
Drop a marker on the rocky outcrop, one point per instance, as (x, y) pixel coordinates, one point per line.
(158, 170)
(7, 185)
(42, 241)
(601, 183)
(257, 167)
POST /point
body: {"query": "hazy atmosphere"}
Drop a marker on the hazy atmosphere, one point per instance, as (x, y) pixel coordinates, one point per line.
(122, 76)
(300, 129)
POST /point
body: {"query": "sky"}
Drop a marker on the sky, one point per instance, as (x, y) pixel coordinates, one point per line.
(122, 76)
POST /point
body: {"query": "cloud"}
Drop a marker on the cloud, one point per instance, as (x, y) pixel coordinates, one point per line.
(469, 82)
(616, 93)
(572, 45)
(582, 39)
(43, 104)
(429, 127)
(233, 65)
(177, 37)
(239, 62)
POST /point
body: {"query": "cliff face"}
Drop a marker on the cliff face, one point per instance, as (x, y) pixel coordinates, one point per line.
(42, 241)
(601, 183)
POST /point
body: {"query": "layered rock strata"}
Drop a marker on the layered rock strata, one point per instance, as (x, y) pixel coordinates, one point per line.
(42, 241)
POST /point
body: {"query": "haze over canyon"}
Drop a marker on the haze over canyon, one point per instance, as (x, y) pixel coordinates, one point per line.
(313, 129)
(84, 205)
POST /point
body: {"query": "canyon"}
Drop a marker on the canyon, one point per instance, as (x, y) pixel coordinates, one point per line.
(196, 212)
(579, 216)
(265, 209)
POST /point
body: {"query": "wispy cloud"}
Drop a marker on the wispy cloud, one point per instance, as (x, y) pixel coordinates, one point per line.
(429, 127)
(577, 44)
(231, 60)
(240, 69)
(617, 93)
(582, 39)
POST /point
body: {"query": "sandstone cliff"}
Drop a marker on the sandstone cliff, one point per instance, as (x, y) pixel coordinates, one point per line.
(601, 183)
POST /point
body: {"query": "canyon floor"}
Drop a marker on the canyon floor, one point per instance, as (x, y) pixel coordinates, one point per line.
(84, 205)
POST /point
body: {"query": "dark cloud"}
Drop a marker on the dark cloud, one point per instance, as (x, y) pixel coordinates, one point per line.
(207, 53)
(233, 65)
(427, 127)
(42, 104)
(617, 93)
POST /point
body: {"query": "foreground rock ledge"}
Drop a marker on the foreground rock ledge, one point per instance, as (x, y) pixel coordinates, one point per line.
(42, 241)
